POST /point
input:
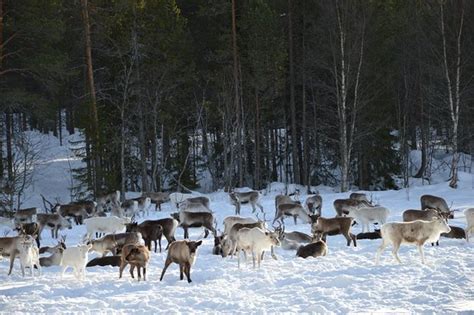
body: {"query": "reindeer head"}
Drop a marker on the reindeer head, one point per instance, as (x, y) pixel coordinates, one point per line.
(131, 227)
(280, 230)
(193, 246)
(273, 237)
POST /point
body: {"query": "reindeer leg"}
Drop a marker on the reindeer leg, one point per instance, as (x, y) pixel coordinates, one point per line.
(159, 242)
(294, 217)
(63, 270)
(167, 263)
(132, 268)
(154, 241)
(273, 253)
(396, 247)
(422, 254)
(12, 261)
(139, 273)
(379, 251)
(187, 270)
(144, 273)
(123, 264)
(253, 258)
(181, 271)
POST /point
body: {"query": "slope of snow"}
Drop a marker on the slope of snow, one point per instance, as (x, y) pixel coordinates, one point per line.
(345, 281)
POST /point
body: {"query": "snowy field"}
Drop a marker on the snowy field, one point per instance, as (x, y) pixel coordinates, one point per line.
(345, 281)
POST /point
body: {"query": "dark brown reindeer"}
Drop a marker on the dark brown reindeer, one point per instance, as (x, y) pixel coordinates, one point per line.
(195, 219)
(150, 231)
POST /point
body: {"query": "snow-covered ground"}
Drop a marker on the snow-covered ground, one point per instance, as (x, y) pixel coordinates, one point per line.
(345, 281)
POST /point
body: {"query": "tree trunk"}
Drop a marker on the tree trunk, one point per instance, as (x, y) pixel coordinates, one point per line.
(1, 35)
(122, 154)
(453, 96)
(9, 131)
(60, 126)
(305, 162)
(237, 94)
(1, 150)
(294, 137)
(257, 141)
(94, 126)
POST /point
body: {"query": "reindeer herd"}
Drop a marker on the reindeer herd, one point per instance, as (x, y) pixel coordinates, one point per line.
(113, 233)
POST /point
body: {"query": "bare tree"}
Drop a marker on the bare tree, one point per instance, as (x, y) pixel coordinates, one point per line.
(348, 45)
(25, 157)
(453, 81)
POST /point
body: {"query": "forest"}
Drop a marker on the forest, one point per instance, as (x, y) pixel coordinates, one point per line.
(171, 94)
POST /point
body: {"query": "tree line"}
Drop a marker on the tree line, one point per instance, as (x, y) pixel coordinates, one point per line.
(242, 93)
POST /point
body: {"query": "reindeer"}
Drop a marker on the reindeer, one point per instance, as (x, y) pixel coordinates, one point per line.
(25, 215)
(237, 198)
(30, 229)
(56, 253)
(149, 230)
(195, 219)
(54, 222)
(334, 226)
(294, 210)
(77, 212)
(89, 205)
(342, 206)
(437, 203)
(137, 256)
(182, 253)
(157, 198)
(143, 204)
(314, 204)
(52, 249)
(129, 207)
(283, 199)
(29, 256)
(10, 247)
(360, 197)
(107, 199)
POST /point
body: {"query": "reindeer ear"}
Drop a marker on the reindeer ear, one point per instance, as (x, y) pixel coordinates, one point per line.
(198, 243)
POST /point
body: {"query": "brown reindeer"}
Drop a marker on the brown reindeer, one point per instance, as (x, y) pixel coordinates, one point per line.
(182, 253)
(137, 256)
(157, 198)
(342, 206)
(437, 203)
(150, 231)
(334, 226)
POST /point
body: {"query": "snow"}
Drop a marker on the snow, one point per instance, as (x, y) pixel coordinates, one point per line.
(345, 281)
